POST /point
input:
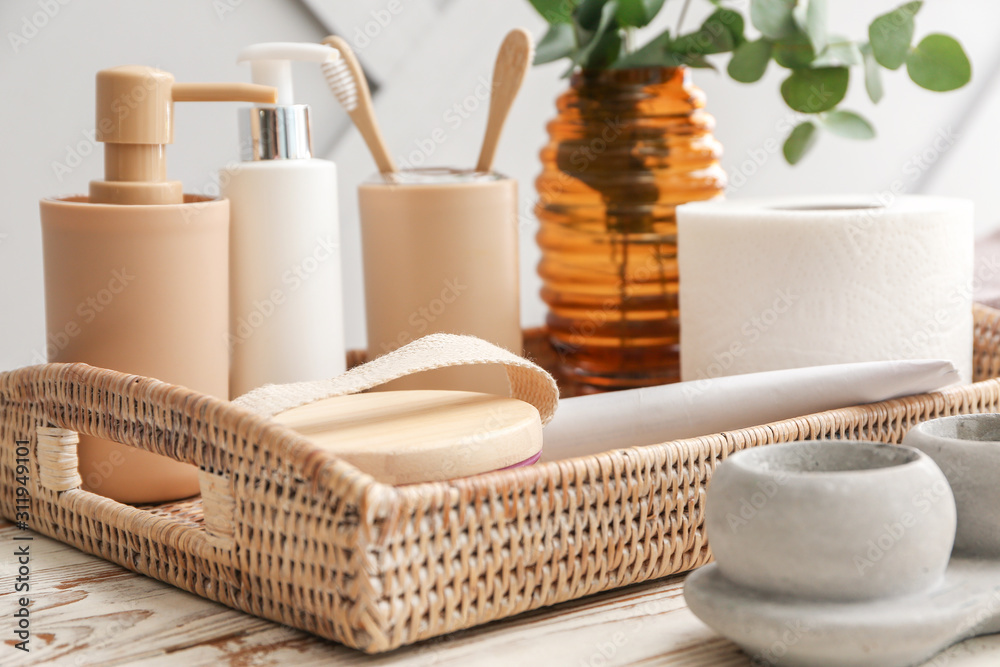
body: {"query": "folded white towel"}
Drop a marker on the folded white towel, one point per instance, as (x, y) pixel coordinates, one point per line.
(636, 417)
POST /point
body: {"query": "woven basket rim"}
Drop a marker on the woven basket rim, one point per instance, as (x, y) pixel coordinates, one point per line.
(333, 471)
(299, 451)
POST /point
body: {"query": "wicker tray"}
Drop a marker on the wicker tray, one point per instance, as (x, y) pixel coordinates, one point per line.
(289, 533)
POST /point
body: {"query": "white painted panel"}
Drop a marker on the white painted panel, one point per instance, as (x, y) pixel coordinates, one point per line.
(968, 168)
(382, 32)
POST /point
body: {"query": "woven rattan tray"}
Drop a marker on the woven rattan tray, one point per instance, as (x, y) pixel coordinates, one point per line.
(294, 535)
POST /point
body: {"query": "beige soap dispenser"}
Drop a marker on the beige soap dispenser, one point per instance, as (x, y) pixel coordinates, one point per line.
(136, 274)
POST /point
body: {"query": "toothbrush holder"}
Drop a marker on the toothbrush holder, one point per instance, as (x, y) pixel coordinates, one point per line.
(967, 449)
(831, 520)
(441, 256)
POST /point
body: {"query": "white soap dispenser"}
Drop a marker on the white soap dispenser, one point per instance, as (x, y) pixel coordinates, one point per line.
(286, 302)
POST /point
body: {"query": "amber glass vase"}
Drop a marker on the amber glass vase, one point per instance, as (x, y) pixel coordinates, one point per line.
(626, 148)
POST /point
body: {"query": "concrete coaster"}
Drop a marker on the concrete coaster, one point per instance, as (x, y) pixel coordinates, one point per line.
(895, 632)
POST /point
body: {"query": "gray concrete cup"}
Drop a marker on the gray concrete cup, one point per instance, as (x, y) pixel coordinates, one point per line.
(967, 449)
(831, 520)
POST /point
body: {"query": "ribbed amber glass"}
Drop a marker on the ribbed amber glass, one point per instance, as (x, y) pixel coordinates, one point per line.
(626, 147)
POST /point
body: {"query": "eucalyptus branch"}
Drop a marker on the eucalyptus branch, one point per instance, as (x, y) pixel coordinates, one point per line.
(600, 34)
(680, 18)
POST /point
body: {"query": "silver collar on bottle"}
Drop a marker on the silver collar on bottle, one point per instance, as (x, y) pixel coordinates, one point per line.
(275, 133)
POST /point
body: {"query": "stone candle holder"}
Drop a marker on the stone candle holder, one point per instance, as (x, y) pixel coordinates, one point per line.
(837, 552)
(967, 449)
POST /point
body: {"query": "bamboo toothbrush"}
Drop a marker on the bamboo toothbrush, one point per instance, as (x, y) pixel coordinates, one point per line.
(348, 83)
(512, 64)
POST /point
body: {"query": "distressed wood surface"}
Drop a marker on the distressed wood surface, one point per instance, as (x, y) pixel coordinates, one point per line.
(87, 611)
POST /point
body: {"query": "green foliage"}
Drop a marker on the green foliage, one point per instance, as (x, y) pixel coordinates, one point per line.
(792, 33)
(873, 75)
(774, 18)
(555, 11)
(890, 35)
(720, 33)
(637, 13)
(794, 52)
(798, 143)
(815, 90)
(839, 52)
(589, 12)
(938, 63)
(810, 18)
(601, 42)
(559, 42)
(749, 61)
(847, 124)
(650, 55)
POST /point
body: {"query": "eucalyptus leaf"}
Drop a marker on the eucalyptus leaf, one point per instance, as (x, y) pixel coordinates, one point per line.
(605, 52)
(749, 61)
(701, 43)
(712, 37)
(939, 63)
(810, 16)
(729, 20)
(590, 12)
(847, 124)
(696, 60)
(637, 13)
(815, 90)
(555, 11)
(773, 17)
(839, 53)
(653, 54)
(873, 75)
(798, 143)
(890, 35)
(589, 47)
(557, 43)
(794, 52)
(661, 53)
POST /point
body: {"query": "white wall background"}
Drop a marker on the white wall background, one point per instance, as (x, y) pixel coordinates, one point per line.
(424, 59)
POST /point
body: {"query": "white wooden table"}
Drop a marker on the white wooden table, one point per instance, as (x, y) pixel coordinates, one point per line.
(87, 611)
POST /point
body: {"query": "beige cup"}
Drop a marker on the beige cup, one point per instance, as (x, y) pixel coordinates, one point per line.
(139, 289)
(440, 256)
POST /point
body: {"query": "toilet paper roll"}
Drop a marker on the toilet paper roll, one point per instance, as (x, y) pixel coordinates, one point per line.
(793, 282)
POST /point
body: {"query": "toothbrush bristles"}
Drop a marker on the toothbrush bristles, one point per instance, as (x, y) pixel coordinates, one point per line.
(338, 77)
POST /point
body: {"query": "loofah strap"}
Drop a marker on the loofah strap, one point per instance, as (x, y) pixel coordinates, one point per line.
(528, 381)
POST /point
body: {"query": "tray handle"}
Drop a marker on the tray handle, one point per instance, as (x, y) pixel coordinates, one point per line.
(57, 454)
(58, 468)
(51, 405)
(58, 471)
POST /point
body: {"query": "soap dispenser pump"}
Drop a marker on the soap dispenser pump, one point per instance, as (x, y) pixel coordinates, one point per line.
(286, 305)
(135, 112)
(136, 274)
